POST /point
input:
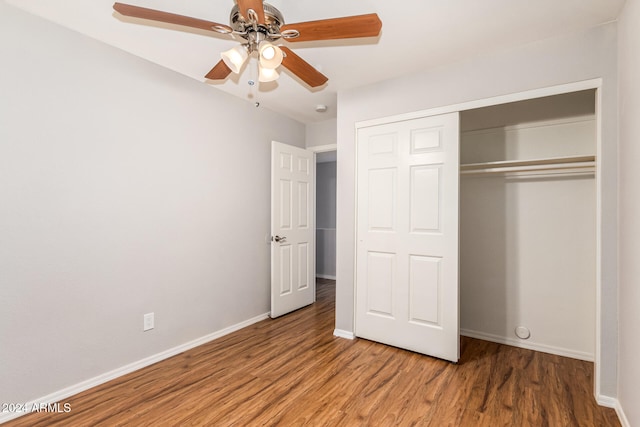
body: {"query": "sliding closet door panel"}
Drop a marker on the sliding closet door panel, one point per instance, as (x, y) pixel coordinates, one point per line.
(407, 235)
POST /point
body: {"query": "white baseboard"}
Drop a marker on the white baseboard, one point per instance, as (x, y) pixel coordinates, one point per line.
(559, 351)
(343, 334)
(60, 395)
(621, 415)
(612, 402)
(325, 276)
(607, 401)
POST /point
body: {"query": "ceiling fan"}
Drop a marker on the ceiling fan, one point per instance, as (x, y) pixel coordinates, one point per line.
(260, 25)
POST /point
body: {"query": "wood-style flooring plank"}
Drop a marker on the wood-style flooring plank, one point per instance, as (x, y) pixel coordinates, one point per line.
(292, 371)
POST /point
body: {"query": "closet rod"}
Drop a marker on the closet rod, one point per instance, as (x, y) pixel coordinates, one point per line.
(530, 162)
(577, 167)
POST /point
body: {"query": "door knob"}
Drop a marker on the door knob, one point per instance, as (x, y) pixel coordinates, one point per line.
(280, 239)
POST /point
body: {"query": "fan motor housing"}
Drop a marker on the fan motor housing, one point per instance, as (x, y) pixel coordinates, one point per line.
(271, 28)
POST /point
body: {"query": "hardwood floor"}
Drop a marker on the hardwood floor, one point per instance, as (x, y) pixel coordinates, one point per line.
(292, 371)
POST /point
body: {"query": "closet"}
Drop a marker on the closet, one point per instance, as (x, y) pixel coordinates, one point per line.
(528, 224)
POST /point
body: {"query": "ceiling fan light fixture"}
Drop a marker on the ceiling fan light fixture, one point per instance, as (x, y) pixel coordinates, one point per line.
(267, 74)
(261, 25)
(269, 52)
(270, 56)
(235, 58)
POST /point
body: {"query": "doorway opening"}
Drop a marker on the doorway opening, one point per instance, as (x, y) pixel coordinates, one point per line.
(326, 179)
(326, 164)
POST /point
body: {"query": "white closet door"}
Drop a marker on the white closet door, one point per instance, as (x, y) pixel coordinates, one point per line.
(407, 235)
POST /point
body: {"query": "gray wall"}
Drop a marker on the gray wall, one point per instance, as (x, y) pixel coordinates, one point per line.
(326, 219)
(629, 375)
(321, 133)
(582, 56)
(125, 188)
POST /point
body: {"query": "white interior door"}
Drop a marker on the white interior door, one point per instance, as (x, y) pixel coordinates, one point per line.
(292, 228)
(407, 235)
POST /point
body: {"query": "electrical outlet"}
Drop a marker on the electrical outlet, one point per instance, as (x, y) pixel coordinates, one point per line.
(148, 322)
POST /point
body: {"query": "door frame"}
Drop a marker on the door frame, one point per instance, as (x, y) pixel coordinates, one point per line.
(505, 99)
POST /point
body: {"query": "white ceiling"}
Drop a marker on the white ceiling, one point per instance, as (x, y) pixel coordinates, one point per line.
(416, 34)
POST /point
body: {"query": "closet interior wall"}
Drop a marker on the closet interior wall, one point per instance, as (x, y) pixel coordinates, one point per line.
(528, 236)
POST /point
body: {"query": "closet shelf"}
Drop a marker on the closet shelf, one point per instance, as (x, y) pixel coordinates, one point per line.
(569, 164)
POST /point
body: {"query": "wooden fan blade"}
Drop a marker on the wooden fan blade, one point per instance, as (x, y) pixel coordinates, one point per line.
(219, 72)
(302, 69)
(337, 28)
(170, 18)
(256, 5)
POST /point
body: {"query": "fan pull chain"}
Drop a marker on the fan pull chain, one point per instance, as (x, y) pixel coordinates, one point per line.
(253, 83)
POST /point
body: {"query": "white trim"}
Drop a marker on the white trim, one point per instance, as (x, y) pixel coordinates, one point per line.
(487, 102)
(343, 334)
(67, 392)
(612, 402)
(607, 401)
(620, 412)
(355, 233)
(599, 189)
(559, 351)
(323, 148)
(325, 276)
